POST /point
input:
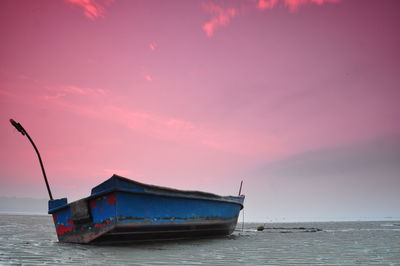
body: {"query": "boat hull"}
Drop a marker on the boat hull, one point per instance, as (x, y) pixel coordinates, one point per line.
(121, 234)
(121, 210)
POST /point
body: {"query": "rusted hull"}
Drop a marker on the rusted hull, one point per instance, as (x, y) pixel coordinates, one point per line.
(121, 210)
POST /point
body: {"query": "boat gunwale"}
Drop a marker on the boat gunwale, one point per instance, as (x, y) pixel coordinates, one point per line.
(162, 190)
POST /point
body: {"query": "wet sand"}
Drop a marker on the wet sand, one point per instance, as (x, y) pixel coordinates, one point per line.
(31, 240)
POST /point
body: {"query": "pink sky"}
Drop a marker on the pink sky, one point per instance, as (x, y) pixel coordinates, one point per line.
(202, 94)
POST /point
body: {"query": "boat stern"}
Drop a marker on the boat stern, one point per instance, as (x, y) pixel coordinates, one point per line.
(84, 220)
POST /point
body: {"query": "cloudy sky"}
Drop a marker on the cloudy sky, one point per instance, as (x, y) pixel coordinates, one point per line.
(298, 98)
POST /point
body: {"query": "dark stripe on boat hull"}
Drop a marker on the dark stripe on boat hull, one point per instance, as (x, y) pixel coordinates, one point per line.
(122, 234)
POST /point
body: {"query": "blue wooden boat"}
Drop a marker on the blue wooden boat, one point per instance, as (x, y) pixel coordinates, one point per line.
(120, 210)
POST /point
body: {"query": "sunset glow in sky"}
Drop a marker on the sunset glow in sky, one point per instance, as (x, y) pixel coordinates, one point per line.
(298, 98)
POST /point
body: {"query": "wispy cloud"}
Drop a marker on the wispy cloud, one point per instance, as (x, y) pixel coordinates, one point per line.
(266, 4)
(93, 9)
(103, 105)
(152, 46)
(7, 93)
(222, 17)
(65, 90)
(293, 5)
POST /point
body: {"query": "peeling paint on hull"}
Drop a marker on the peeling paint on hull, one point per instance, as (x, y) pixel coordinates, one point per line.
(121, 210)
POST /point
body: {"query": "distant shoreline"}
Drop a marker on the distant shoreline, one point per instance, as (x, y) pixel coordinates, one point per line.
(23, 213)
(348, 220)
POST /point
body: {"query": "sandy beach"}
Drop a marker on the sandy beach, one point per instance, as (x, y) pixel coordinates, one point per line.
(31, 240)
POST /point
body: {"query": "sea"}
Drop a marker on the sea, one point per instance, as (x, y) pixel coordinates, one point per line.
(31, 240)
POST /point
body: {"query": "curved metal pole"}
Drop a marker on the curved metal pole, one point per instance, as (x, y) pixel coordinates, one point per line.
(22, 130)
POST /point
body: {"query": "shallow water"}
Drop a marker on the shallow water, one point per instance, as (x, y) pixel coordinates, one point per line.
(31, 240)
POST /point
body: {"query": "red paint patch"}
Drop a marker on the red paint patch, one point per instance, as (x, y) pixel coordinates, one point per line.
(111, 199)
(62, 229)
(93, 203)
